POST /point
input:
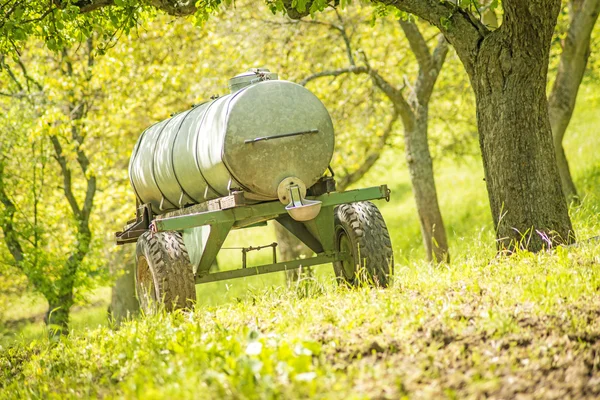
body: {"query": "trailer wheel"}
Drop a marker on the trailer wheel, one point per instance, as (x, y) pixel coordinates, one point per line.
(361, 231)
(164, 275)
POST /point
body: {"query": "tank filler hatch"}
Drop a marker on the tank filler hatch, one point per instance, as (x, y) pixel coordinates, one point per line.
(253, 75)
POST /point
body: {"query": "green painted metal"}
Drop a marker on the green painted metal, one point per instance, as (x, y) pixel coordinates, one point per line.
(255, 213)
(324, 258)
(322, 227)
(195, 242)
(216, 238)
(203, 248)
(205, 152)
(299, 230)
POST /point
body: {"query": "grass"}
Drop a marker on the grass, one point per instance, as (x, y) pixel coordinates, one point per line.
(528, 324)
(484, 326)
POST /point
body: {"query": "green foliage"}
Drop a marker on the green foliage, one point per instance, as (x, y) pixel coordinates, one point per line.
(61, 24)
(462, 330)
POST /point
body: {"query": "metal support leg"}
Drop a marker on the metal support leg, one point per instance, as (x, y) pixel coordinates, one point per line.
(216, 237)
(299, 230)
(322, 228)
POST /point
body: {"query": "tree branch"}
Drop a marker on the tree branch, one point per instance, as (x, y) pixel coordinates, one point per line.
(86, 6)
(178, 8)
(39, 280)
(572, 65)
(334, 73)
(428, 77)
(520, 12)
(28, 77)
(417, 44)
(463, 31)
(372, 157)
(342, 29)
(7, 223)
(439, 53)
(66, 173)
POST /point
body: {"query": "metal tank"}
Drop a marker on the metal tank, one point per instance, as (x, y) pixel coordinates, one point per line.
(264, 131)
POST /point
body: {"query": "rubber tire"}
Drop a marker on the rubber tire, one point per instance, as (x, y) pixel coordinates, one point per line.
(164, 276)
(371, 247)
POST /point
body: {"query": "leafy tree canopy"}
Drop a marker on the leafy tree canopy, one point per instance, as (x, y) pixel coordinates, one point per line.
(60, 23)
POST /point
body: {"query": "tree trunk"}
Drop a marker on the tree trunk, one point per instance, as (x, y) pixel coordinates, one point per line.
(58, 314)
(509, 80)
(291, 248)
(568, 186)
(420, 167)
(572, 65)
(124, 303)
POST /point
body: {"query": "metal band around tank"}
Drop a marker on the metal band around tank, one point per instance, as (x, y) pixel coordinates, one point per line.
(173, 157)
(196, 139)
(154, 165)
(133, 157)
(231, 174)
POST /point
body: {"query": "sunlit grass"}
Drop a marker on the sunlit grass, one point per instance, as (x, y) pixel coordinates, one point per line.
(464, 328)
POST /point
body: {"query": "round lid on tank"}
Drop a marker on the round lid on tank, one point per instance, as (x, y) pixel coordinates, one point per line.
(253, 75)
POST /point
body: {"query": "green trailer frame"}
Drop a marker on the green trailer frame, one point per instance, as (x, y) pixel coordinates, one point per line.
(232, 212)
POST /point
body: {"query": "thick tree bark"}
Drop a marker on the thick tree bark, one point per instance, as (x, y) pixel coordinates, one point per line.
(509, 80)
(572, 65)
(508, 70)
(420, 167)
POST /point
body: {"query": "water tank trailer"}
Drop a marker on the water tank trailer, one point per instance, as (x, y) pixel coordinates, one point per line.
(260, 153)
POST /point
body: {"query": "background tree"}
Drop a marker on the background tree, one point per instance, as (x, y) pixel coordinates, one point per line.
(508, 71)
(582, 16)
(413, 110)
(61, 114)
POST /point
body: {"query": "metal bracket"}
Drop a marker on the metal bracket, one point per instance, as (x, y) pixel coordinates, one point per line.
(300, 208)
(260, 139)
(299, 230)
(136, 228)
(245, 251)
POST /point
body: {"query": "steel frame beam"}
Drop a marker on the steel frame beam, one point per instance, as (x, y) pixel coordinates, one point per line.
(324, 258)
(247, 215)
(318, 233)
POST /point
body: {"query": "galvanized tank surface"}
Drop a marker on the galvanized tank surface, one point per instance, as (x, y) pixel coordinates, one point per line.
(266, 130)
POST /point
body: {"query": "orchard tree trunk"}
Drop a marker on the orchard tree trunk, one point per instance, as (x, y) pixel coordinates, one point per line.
(509, 80)
(124, 303)
(508, 70)
(58, 314)
(420, 167)
(573, 60)
(413, 111)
